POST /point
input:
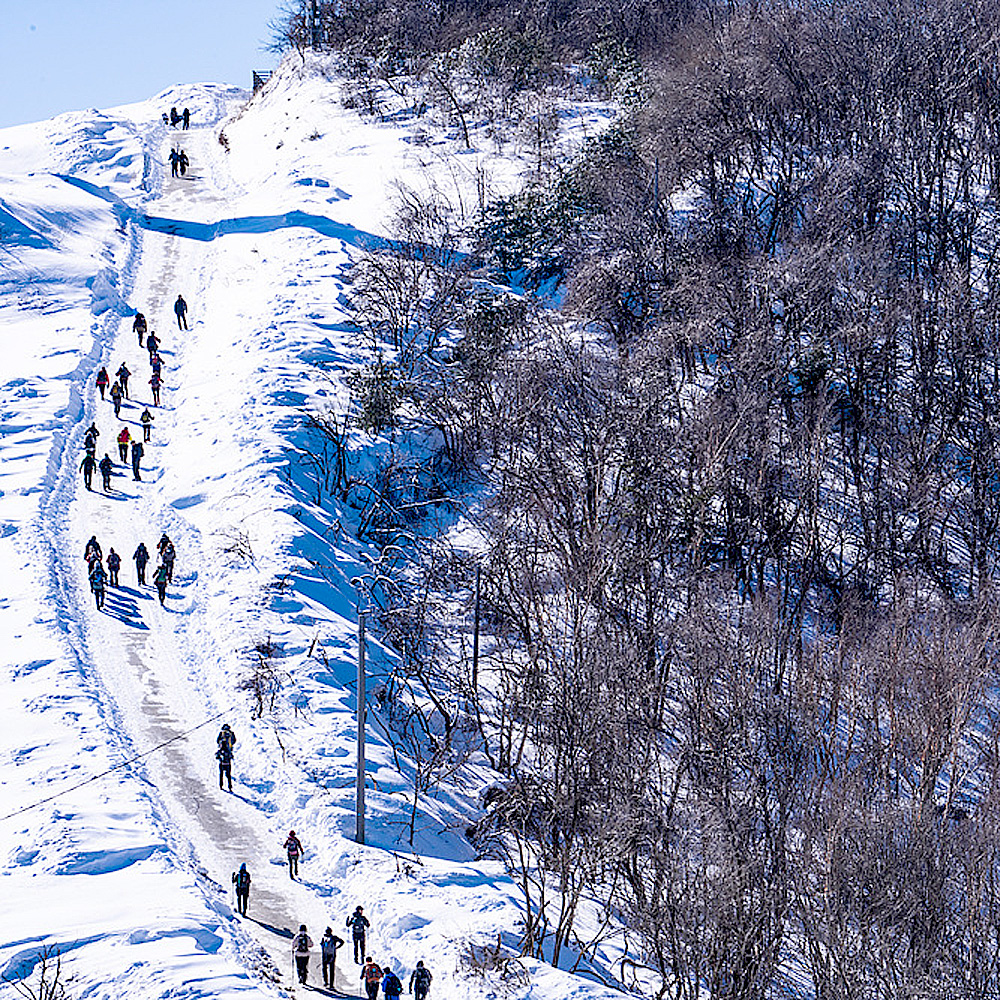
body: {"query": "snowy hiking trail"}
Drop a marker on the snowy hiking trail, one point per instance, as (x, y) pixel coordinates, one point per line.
(141, 651)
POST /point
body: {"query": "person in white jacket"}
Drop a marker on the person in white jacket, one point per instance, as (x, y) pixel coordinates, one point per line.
(300, 949)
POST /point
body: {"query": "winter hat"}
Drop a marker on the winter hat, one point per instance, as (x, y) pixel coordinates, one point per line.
(302, 927)
(329, 930)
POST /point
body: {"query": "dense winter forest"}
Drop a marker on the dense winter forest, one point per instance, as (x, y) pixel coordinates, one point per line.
(731, 458)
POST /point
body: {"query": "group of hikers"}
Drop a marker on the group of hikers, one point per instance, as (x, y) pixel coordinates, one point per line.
(101, 578)
(179, 162)
(358, 924)
(118, 390)
(372, 975)
(173, 118)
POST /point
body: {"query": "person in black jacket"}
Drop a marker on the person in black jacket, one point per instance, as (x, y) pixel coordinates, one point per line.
(141, 557)
(137, 451)
(328, 946)
(421, 979)
(88, 467)
(241, 880)
(224, 755)
(358, 923)
(180, 309)
(114, 565)
(106, 465)
(139, 326)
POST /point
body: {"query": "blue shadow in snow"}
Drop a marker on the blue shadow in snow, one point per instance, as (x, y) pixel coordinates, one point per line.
(208, 231)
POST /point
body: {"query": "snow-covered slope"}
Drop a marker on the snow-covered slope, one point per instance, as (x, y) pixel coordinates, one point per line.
(127, 875)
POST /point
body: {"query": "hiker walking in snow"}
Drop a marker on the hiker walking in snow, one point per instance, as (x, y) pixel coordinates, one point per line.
(358, 923)
(421, 979)
(184, 162)
(226, 737)
(175, 160)
(300, 949)
(106, 465)
(391, 986)
(141, 557)
(123, 374)
(146, 420)
(116, 398)
(90, 438)
(124, 437)
(160, 579)
(88, 467)
(139, 326)
(98, 580)
(187, 118)
(92, 551)
(371, 975)
(152, 343)
(328, 946)
(241, 880)
(224, 755)
(156, 363)
(103, 381)
(167, 556)
(156, 382)
(174, 117)
(137, 452)
(114, 564)
(294, 850)
(181, 308)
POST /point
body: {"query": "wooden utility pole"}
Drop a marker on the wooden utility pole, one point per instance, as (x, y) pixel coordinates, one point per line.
(359, 829)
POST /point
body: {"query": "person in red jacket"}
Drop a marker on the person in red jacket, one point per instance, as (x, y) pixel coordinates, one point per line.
(124, 439)
(103, 381)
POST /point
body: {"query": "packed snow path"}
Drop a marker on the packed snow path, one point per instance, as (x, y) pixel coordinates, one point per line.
(138, 647)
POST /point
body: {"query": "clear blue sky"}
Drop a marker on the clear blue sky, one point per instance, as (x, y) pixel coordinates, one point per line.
(64, 55)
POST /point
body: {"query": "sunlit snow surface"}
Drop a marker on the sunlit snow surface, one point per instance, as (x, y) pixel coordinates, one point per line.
(128, 875)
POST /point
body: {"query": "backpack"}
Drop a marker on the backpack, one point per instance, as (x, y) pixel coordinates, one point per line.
(422, 977)
(391, 985)
(302, 942)
(243, 881)
(372, 973)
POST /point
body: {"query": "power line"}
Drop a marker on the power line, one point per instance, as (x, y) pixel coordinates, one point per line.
(110, 770)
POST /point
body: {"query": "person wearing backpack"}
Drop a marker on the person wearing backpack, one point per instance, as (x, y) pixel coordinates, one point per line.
(141, 557)
(114, 565)
(294, 850)
(241, 880)
(116, 398)
(137, 453)
(122, 375)
(391, 986)
(103, 381)
(358, 923)
(124, 439)
(421, 979)
(160, 579)
(300, 949)
(139, 326)
(146, 420)
(106, 466)
(328, 946)
(98, 579)
(226, 737)
(224, 755)
(371, 975)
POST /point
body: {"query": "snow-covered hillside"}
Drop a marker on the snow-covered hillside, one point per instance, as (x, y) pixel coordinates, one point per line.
(127, 875)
